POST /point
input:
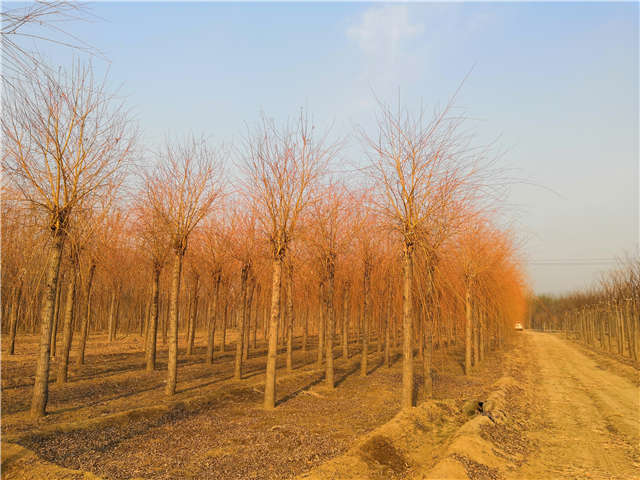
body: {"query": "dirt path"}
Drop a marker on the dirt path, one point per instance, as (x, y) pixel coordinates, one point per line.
(588, 418)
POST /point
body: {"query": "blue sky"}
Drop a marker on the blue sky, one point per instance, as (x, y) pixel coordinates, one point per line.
(557, 83)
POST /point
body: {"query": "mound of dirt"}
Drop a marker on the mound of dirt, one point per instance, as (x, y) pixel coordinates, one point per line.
(424, 443)
(478, 450)
(398, 449)
(16, 460)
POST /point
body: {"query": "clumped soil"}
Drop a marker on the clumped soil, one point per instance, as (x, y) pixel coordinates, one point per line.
(477, 471)
(378, 450)
(232, 437)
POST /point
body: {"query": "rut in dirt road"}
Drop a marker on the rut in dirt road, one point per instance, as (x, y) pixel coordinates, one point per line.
(589, 425)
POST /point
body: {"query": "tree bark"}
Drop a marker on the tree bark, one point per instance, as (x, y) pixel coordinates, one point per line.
(255, 316)
(387, 332)
(56, 313)
(329, 373)
(427, 386)
(237, 372)
(63, 360)
(290, 318)
(152, 329)
(84, 331)
(223, 343)
(41, 383)
(345, 322)
(321, 328)
(193, 322)
(272, 353)
(365, 319)
(474, 337)
(247, 323)
(13, 322)
(172, 376)
(112, 317)
(407, 329)
(305, 332)
(213, 318)
(467, 331)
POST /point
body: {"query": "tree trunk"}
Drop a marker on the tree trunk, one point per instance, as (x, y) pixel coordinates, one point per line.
(255, 316)
(467, 332)
(475, 341)
(84, 331)
(63, 358)
(41, 382)
(194, 315)
(172, 369)
(223, 343)
(290, 318)
(321, 328)
(112, 317)
(387, 332)
(152, 329)
(237, 372)
(13, 321)
(329, 374)
(407, 329)
(213, 315)
(365, 319)
(272, 352)
(427, 386)
(188, 307)
(481, 336)
(165, 319)
(305, 333)
(628, 329)
(144, 324)
(345, 322)
(248, 310)
(56, 317)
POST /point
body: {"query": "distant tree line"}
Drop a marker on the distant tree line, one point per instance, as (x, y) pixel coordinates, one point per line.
(605, 318)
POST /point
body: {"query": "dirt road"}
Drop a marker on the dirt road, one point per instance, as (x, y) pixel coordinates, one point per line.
(586, 417)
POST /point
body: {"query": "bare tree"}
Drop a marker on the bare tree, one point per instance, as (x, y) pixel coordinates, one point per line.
(419, 168)
(214, 258)
(24, 27)
(327, 234)
(181, 190)
(152, 233)
(66, 140)
(281, 167)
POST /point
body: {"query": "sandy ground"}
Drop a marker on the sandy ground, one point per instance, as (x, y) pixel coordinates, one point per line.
(575, 414)
(231, 437)
(586, 416)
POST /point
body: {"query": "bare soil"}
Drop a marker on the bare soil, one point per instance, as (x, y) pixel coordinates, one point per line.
(567, 412)
(228, 437)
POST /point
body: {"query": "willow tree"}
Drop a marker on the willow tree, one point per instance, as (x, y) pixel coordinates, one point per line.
(66, 140)
(151, 233)
(419, 166)
(212, 241)
(327, 236)
(181, 190)
(21, 250)
(241, 243)
(281, 167)
(481, 248)
(80, 232)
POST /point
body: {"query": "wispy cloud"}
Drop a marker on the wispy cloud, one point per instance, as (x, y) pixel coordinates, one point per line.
(389, 41)
(385, 31)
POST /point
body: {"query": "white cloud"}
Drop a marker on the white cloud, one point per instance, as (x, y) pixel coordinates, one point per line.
(385, 31)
